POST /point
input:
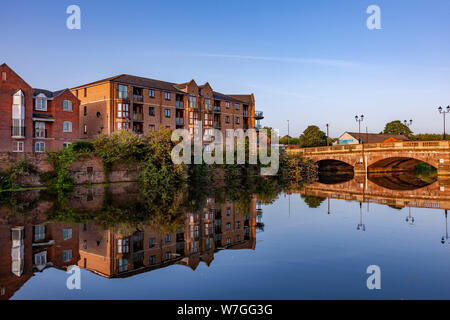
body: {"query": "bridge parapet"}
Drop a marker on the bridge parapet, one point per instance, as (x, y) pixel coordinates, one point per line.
(374, 147)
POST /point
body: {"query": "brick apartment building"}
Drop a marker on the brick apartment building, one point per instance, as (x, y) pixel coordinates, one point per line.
(35, 120)
(142, 104)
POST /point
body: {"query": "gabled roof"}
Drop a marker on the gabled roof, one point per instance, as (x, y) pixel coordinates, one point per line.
(49, 94)
(245, 98)
(375, 137)
(221, 96)
(6, 66)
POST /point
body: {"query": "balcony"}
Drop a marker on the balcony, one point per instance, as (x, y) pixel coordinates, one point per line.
(245, 113)
(18, 132)
(138, 98)
(259, 115)
(216, 108)
(179, 121)
(179, 104)
(217, 125)
(138, 117)
(40, 133)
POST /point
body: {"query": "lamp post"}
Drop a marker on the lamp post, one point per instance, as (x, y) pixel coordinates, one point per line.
(359, 120)
(327, 132)
(408, 124)
(443, 112)
(288, 133)
(410, 218)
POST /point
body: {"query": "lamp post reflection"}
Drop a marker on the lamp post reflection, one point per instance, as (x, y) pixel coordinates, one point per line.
(409, 218)
(361, 225)
(444, 239)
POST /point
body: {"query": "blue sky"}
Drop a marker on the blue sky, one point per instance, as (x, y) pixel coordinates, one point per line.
(312, 62)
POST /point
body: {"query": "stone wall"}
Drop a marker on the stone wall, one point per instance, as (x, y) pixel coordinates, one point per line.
(83, 170)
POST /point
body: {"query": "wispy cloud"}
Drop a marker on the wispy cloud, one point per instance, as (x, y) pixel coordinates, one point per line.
(325, 62)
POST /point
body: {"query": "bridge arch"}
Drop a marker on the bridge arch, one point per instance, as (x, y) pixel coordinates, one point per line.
(396, 163)
(334, 165)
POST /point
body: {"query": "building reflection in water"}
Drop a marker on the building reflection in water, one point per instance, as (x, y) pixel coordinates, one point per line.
(29, 243)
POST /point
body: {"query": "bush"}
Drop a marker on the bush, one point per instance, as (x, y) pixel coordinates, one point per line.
(82, 146)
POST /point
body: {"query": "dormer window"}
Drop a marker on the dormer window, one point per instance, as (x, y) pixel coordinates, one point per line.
(41, 103)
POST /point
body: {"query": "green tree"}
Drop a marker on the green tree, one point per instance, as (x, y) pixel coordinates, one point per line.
(397, 127)
(312, 137)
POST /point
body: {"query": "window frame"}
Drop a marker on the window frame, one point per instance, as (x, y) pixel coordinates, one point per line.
(67, 130)
(67, 106)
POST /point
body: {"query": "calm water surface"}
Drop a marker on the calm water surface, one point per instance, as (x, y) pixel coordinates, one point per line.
(311, 243)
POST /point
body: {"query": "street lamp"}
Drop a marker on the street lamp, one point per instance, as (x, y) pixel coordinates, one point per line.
(327, 132)
(359, 120)
(443, 112)
(408, 124)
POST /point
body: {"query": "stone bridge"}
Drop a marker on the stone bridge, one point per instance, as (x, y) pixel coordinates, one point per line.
(381, 157)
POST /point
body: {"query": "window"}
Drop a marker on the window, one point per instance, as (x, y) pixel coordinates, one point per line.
(151, 111)
(227, 119)
(67, 234)
(85, 129)
(123, 245)
(228, 211)
(227, 104)
(67, 255)
(152, 260)
(41, 104)
(66, 144)
(151, 242)
(168, 254)
(123, 110)
(85, 244)
(151, 93)
(39, 233)
(67, 126)
(40, 258)
(122, 265)
(123, 92)
(39, 147)
(3, 76)
(192, 102)
(167, 95)
(39, 129)
(17, 146)
(237, 120)
(168, 238)
(237, 106)
(85, 92)
(85, 110)
(123, 125)
(67, 105)
(151, 127)
(238, 224)
(207, 103)
(228, 226)
(18, 114)
(167, 113)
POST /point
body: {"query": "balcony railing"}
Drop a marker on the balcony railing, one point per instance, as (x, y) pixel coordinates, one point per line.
(138, 117)
(245, 113)
(217, 124)
(40, 133)
(18, 132)
(216, 108)
(259, 115)
(139, 98)
(179, 104)
(179, 121)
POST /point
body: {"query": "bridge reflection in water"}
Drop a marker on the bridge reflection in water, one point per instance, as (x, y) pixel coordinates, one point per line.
(394, 189)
